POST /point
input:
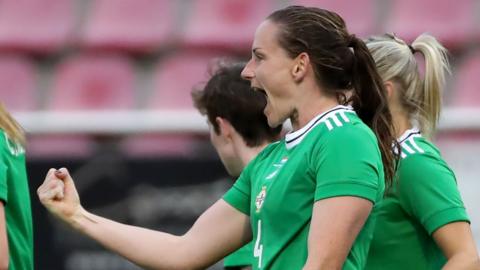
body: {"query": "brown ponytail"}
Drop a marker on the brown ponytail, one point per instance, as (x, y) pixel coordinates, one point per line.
(322, 34)
(370, 102)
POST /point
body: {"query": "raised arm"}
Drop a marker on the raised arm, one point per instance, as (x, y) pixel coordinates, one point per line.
(4, 255)
(218, 231)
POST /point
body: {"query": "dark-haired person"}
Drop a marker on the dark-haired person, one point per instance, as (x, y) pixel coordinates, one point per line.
(422, 223)
(308, 201)
(238, 130)
(16, 232)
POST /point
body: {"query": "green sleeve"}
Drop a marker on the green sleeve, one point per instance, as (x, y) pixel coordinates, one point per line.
(348, 163)
(239, 194)
(428, 191)
(241, 257)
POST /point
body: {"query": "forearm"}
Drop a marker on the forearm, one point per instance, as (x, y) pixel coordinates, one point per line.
(463, 261)
(147, 248)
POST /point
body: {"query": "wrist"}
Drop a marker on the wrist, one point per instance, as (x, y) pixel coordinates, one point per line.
(81, 219)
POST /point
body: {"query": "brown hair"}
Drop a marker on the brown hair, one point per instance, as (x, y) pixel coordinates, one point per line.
(341, 63)
(228, 96)
(11, 127)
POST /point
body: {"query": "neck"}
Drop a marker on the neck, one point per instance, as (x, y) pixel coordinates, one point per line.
(246, 153)
(309, 109)
(401, 122)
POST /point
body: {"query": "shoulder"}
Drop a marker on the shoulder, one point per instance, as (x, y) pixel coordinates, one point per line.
(10, 147)
(421, 163)
(352, 134)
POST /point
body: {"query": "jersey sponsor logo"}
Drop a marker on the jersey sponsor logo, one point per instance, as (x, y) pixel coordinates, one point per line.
(260, 199)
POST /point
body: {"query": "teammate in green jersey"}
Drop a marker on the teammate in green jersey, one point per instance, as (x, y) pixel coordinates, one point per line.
(422, 222)
(16, 232)
(238, 130)
(309, 201)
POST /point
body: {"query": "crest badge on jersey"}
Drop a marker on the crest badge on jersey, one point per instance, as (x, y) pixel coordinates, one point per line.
(260, 198)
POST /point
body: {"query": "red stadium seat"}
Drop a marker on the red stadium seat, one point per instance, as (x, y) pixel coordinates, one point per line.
(173, 79)
(93, 82)
(466, 90)
(18, 81)
(40, 26)
(132, 25)
(450, 22)
(86, 82)
(224, 24)
(359, 15)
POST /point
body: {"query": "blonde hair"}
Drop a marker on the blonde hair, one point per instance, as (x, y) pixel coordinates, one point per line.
(421, 98)
(11, 127)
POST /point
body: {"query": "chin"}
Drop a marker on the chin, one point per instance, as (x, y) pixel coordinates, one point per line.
(274, 122)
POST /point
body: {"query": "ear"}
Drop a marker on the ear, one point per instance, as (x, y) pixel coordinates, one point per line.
(301, 64)
(390, 88)
(224, 127)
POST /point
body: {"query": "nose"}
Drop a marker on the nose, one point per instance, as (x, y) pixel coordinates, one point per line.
(247, 72)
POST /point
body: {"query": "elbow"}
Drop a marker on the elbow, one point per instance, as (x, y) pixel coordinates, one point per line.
(463, 261)
(475, 262)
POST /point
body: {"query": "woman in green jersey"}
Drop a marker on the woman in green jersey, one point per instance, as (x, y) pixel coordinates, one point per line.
(309, 201)
(422, 222)
(16, 233)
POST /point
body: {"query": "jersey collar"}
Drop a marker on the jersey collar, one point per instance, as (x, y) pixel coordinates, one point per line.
(408, 133)
(295, 137)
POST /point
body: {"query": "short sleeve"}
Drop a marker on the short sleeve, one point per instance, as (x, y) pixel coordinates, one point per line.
(348, 163)
(428, 191)
(239, 194)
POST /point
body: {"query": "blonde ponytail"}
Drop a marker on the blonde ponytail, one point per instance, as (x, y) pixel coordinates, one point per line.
(436, 67)
(395, 61)
(11, 127)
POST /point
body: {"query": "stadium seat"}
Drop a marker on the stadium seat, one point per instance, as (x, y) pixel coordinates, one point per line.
(93, 82)
(175, 77)
(85, 82)
(18, 80)
(224, 24)
(173, 80)
(466, 89)
(132, 25)
(450, 22)
(40, 26)
(359, 15)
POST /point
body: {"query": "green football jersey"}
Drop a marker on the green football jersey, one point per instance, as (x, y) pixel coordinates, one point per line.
(424, 197)
(15, 194)
(241, 257)
(335, 154)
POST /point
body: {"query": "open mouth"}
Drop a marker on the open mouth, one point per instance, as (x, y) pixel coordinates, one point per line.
(260, 90)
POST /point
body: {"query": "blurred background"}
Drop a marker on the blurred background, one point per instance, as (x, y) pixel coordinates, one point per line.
(103, 88)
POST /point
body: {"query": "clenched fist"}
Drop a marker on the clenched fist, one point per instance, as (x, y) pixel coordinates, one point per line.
(59, 195)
